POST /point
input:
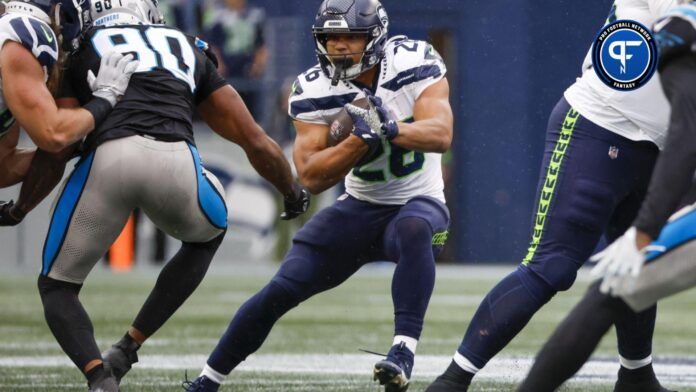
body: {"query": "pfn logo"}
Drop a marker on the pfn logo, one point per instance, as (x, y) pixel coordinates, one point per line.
(624, 55)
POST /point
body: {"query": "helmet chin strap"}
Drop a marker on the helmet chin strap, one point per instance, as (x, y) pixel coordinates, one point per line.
(340, 65)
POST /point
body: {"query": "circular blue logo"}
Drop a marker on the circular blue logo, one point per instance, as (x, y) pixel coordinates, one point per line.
(624, 55)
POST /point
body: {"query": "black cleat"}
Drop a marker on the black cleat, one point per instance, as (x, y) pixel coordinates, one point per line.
(200, 384)
(639, 380)
(454, 379)
(394, 372)
(120, 357)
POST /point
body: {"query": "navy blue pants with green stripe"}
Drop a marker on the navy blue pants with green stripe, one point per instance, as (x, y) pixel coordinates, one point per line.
(592, 183)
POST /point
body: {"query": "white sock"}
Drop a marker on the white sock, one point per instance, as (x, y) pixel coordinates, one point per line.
(464, 363)
(213, 374)
(631, 364)
(411, 343)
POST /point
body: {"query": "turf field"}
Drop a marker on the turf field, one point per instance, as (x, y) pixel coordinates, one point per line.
(315, 347)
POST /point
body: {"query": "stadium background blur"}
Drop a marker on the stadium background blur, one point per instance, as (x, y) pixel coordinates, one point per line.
(508, 64)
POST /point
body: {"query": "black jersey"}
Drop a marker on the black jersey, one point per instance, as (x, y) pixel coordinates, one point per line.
(674, 171)
(173, 77)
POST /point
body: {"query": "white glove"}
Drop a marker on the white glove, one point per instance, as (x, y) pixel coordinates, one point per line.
(618, 260)
(114, 75)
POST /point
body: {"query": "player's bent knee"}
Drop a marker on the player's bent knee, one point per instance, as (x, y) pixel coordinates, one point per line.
(48, 285)
(559, 272)
(412, 229)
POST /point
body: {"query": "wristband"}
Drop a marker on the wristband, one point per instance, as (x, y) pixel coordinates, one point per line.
(99, 108)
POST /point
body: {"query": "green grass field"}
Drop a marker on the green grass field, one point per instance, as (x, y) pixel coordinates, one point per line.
(314, 347)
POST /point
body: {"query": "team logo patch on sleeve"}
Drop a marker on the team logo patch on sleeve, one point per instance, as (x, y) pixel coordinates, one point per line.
(624, 55)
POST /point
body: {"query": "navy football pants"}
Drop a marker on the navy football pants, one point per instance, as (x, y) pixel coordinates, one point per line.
(331, 247)
(592, 182)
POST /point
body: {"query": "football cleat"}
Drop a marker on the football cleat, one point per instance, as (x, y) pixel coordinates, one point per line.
(106, 384)
(638, 380)
(394, 372)
(454, 379)
(120, 358)
(201, 384)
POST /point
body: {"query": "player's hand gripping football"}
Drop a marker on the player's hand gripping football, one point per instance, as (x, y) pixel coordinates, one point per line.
(114, 75)
(375, 117)
(296, 205)
(10, 215)
(621, 258)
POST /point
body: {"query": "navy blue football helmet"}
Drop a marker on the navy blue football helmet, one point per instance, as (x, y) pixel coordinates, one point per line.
(69, 15)
(350, 17)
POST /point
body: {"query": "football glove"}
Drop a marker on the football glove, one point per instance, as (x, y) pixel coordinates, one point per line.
(297, 205)
(618, 260)
(376, 117)
(114, 75)
(10, 215)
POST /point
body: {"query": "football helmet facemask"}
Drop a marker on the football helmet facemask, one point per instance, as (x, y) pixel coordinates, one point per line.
(366, 17)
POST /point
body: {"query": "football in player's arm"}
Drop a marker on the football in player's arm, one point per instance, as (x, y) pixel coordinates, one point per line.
(390, 156)
(321, 167)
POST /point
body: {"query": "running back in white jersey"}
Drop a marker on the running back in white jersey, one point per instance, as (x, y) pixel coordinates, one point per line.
(641, 114)
(396, 174)
(36, 36)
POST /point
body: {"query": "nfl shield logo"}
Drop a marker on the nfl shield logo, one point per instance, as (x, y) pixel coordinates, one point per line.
(613, 152)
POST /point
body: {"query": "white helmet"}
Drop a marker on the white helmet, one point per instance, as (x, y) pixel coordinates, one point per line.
(115, 12)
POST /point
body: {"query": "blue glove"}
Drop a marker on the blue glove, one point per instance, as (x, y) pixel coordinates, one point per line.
(389, 129)
(361, 128)
(375, 116)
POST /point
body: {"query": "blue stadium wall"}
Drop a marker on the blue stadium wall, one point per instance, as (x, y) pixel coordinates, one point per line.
(510, 62)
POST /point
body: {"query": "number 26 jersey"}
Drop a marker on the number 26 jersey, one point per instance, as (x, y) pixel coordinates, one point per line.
(393, 175)
(173, 77)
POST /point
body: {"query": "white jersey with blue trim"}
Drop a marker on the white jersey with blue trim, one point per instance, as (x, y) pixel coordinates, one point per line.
(36, 36)
(395, 175)
(641, 114)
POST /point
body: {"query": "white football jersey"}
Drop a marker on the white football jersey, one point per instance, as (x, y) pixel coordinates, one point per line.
(36, 36)
(641, 114)
(396, 174)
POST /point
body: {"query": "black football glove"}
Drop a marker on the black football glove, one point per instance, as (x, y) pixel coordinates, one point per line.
(296, 206)
(9, 214)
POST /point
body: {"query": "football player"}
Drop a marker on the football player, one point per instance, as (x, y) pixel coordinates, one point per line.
(601, 146)
(143, 155)
(393, 209)
(670, 267)
(29, 52)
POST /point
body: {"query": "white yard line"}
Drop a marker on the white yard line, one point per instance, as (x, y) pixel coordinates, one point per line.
(673, 371)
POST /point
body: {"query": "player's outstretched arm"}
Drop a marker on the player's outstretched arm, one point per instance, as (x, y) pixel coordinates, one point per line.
(225, 112)
(320, 167)
(14, 162)
(42, 175)
(431, 130)
(53, 129)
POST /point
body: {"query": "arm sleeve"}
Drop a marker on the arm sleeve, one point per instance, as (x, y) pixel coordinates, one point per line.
(675, 167)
